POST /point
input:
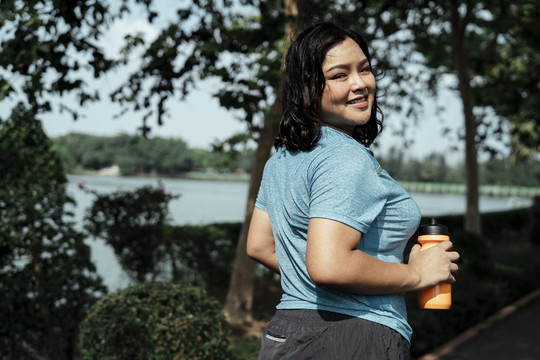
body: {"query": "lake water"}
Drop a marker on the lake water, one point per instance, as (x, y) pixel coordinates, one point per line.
(203, 202)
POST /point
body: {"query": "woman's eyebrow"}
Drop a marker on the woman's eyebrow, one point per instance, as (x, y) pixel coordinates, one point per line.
(346, 66)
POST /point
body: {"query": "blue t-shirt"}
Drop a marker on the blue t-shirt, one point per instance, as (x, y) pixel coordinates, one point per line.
(340, 180)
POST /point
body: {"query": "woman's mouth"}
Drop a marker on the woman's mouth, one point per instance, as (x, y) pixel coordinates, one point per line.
(359, 102)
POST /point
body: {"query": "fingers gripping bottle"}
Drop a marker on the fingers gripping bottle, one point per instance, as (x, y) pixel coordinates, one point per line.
(438, 296)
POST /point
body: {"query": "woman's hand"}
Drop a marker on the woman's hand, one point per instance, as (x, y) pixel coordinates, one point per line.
(434, 265)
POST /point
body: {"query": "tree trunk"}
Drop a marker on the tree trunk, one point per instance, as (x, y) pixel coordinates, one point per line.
(472, 215)
(239, 300)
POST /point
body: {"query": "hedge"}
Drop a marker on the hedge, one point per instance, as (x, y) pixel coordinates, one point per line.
(155, 321)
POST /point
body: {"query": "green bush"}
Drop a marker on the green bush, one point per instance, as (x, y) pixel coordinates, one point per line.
(505, 226)
(133, 223)
(47, 279)
(475, 254)
(155, 321)
(204, 255)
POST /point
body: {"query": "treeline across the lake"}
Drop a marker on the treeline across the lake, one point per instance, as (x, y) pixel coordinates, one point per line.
(435, 168)
(172, 157)
(135, 154)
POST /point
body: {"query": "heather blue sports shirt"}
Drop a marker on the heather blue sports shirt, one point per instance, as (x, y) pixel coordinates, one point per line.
(339, 180)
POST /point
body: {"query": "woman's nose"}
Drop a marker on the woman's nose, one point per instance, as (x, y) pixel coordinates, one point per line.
(358, 82)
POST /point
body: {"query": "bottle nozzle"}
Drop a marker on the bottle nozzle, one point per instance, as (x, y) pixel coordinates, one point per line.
(433, 228)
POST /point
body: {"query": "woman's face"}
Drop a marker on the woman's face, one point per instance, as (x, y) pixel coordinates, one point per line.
(349, 93)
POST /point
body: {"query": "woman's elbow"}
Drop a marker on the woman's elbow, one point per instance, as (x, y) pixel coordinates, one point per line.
(252, 251)
(255, 250)
(322, 275)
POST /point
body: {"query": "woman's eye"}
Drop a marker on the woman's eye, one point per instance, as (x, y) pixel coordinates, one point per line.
(338, 76)
(365, 70)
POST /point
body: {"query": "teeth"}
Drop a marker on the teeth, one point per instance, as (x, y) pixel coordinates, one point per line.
(356, 101)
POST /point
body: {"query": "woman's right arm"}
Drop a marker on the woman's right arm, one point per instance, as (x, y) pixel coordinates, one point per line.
(261, 246)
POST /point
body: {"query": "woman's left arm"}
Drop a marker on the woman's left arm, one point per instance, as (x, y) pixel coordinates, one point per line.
(260, 242)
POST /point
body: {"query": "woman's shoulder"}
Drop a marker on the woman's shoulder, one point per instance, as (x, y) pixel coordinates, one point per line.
(335, 146)
(343, 162)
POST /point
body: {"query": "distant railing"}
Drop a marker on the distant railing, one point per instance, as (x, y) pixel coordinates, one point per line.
(488, 190)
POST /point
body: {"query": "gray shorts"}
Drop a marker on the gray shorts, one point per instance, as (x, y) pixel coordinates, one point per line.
(325, 335)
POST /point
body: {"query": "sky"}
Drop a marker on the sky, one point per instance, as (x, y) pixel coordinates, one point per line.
(200, 121)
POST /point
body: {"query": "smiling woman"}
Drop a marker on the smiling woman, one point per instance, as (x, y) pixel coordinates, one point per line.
(350, 87)
(330, 220)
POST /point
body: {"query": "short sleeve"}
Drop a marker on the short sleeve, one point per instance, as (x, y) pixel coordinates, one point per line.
(346, 187)
(260, 202)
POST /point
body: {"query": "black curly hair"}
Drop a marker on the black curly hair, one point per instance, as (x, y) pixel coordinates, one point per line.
(300, 125)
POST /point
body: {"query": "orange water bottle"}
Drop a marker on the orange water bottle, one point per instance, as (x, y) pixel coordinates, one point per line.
(438, 296)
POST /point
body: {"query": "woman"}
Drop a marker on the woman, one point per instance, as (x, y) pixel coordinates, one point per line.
(330, 220)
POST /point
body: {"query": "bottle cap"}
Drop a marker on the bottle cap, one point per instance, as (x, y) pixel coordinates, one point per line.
(433, 228)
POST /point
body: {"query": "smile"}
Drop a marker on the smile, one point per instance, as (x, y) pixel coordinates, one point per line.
(357, 100)
(359, 103)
